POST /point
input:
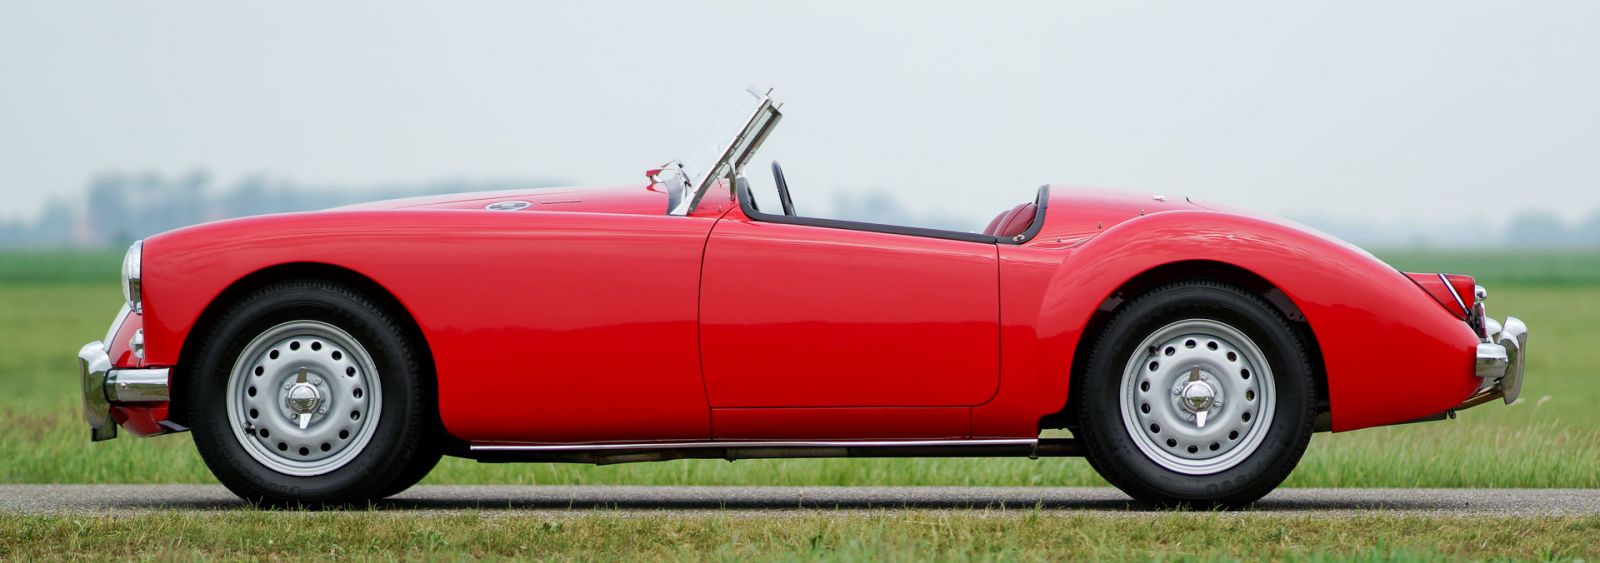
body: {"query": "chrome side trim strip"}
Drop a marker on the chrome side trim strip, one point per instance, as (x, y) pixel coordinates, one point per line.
(736, 444)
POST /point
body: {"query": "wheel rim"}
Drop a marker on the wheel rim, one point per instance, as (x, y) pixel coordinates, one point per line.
(304, 398)
(1191, 370)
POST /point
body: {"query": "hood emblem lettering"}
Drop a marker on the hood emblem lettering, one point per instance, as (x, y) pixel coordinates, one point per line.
(507, 205)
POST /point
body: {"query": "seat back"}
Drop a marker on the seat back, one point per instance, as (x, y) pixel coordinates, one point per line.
(1013, 222)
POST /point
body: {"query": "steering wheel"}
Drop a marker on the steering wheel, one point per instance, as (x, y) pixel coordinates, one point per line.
(783, 189)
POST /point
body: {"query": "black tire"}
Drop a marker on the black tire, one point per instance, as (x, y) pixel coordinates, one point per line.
(427, 458)
(396, 440)
(1111, 449)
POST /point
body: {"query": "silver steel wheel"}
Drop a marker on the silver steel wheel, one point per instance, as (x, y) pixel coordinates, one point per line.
(304, 398)
(1197, 396)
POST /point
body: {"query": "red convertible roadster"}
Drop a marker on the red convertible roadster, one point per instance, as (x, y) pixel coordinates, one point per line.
(333, 357)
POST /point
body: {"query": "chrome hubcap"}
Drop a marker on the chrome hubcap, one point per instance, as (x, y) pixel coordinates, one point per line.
(1197, 396)
(304, 398)
(302, 402)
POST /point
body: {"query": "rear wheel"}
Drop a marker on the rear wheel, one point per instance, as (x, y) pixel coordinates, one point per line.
(1199, 394)
(308, 393)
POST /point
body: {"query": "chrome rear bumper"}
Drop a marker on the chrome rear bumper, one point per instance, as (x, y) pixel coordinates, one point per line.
(1501, 356)
(103, 385)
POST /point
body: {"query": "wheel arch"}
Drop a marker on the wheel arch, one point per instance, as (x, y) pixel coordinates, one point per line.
(1186, 270)
(283, 272)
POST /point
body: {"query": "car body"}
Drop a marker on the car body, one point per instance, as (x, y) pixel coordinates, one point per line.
(674, 319)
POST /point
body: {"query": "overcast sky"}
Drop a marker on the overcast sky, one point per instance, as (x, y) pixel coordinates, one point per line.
(1386, 111)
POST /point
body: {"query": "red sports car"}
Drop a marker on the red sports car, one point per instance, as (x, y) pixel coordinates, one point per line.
(333, 357)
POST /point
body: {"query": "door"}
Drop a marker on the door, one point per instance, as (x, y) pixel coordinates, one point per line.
(805, 317)
(556, 327)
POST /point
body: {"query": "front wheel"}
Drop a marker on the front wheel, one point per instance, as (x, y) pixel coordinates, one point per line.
(308, 393)
(1197, 394)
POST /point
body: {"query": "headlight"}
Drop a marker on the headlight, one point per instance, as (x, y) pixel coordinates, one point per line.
(130, 275)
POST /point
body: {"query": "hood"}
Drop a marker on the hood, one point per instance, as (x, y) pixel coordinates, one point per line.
(638, 200)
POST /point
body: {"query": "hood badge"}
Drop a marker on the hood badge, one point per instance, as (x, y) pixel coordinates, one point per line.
(507, 205)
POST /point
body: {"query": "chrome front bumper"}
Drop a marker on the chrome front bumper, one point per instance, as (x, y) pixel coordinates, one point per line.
(103, 385)
(1501, 356)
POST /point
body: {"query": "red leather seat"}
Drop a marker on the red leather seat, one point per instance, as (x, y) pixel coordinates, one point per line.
(1013, 222)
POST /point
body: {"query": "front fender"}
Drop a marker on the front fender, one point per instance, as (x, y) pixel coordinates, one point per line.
(1390, 353)
(590, 315)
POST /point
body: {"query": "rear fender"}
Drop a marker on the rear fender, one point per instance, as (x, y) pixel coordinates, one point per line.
(1390, 353)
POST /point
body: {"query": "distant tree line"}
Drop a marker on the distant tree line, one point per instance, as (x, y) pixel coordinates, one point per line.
(1527, 228)
(118, 208)
(1544, 229)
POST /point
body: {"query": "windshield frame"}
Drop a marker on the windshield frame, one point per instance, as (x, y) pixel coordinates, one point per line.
(754, 123)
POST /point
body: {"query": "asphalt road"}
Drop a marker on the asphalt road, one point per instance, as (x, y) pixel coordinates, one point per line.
(578, 500)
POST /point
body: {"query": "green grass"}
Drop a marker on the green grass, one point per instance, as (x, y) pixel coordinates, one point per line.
(1492, 267)
(58, 266)
(42, 326)
(1544, 268)
(1549, 439)
(914, 535)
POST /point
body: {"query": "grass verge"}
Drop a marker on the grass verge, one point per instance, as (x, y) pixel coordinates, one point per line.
(880, 536)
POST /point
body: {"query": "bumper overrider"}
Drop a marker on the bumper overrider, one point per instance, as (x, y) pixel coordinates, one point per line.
(104, 386)
(1501, 355)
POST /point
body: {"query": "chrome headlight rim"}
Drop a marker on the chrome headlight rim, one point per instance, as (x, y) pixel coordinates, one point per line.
(132, 264)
